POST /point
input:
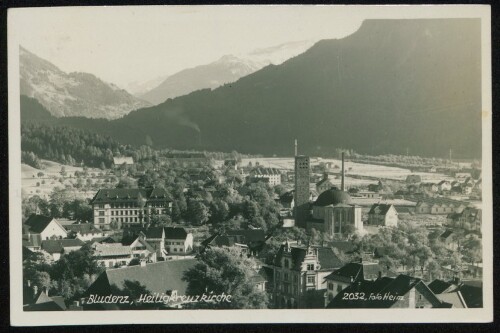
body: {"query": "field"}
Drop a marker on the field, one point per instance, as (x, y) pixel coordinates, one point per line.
(42, 182)
(351, 168)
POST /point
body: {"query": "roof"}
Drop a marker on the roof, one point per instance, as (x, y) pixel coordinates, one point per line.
(154, 232)
(111, 249)
(32, 240)
(398, 286)
(248, 235)
(175, 233)
(286, 197)
(446, 234)
(37, 223)
(58, 245)
(439, 286)
(156, 277)
(323, 181)
(123, 160)
(454, 298)
(326, 257)
(344, 246)
(380, 209)
(83, 228)
(129, 195)
(265, 172)
(333, 196)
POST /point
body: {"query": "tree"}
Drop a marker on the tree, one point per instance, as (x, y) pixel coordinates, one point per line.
(228, 271)
(197, 212)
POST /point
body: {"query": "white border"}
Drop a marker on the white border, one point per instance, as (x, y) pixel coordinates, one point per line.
(20, 318)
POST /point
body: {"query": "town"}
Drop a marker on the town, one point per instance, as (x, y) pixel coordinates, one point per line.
(346, 231)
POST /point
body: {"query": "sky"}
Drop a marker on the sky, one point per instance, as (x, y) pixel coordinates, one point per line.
(129, 44)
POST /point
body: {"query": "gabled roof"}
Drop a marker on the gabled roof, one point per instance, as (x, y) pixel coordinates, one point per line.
(265, 172)
(175, 233)
(156, 277)
(287, 197)
(154, 232)
(439, 286)
(58, 245)
(38, 223)
(380, 209)
(248, 235)
(454, 298)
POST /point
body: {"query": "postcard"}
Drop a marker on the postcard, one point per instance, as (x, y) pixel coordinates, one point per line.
(250, 164)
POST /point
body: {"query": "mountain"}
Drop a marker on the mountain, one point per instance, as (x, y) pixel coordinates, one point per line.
(227, 69)
(391, 85)
(72, 94)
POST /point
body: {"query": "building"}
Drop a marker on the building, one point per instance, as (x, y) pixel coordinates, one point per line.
(142, 250)
(178, 241)
(460, 294)
(448, 239)
(286, 200)
(84, 231)
(299, 275)
(444, 186)
(349, 274)
(129, 206)
(470, 218)
(383, 215)
(429, 187)
(112, 254)
(249, 241)
(324, 184)
(401, 292)
(122, 160)
(438, 206)
(334, 213)
(271, 176)
(301, 193)
(34, 300)
(161, 278)
(369, 194)
(57, 247)
(43, 227)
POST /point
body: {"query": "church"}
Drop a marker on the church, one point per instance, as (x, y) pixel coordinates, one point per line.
(332, 212)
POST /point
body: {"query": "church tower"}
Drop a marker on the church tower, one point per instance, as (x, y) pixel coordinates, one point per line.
(301, 193)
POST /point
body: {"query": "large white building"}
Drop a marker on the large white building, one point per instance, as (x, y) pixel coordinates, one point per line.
(126, 207)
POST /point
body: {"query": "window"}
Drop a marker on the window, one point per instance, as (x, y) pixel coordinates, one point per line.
(287, 263)
(277, 275)
(310, 267)
(310, 279)
(295, 278)
(101, 213)
(339, 288)
(330, 286)
(101, 220)
(285, 277)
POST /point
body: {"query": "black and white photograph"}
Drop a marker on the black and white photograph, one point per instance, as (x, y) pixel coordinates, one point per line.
(294, 163)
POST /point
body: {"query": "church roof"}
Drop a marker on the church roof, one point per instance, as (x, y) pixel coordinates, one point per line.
(333, 196)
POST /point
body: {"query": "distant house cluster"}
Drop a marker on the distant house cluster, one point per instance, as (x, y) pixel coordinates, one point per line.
(439, 206)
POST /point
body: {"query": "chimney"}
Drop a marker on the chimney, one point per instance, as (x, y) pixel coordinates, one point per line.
(295, 147)
(342, 184)
(35, 290)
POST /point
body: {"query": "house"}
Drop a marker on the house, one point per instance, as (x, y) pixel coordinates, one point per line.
(178, 241)
(112, 254)
(142, 250)
(448, 239)
(46, 227)
(457, 293)
(444, 185)
(402, 291)
(369, 194)
(84, 231)
(129, 206)
(299, 275)
(41, 301)
(166, 241)
(470, 218)
(383, 215)
(122, 160)
(349, 274)
(429, 187)
(250, 241)
(324, 184)
(271, 176)
(58, 247)
(163, 278)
